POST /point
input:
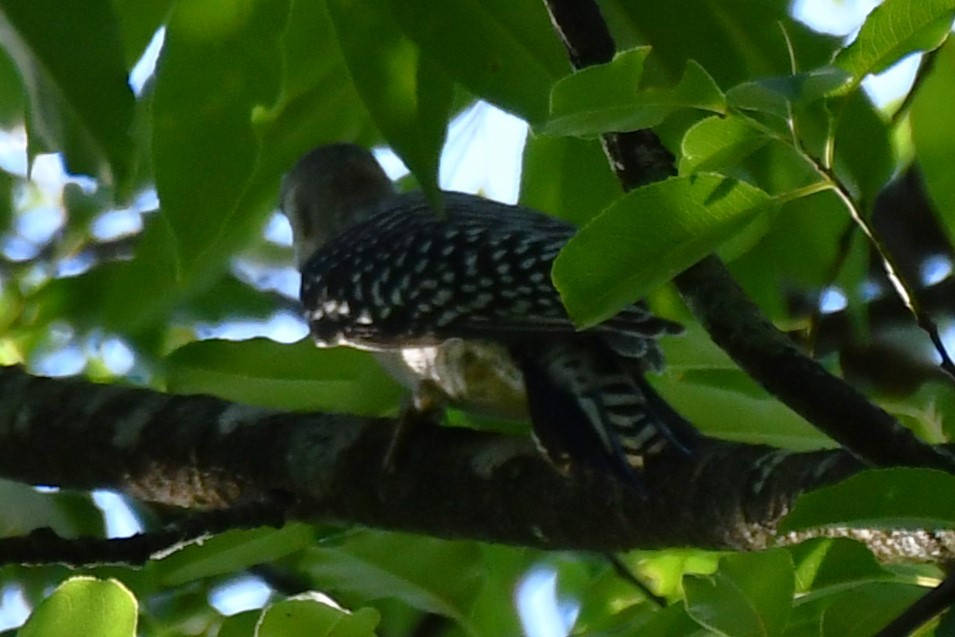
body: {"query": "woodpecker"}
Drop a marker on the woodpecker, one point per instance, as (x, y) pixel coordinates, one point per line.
(461, 308)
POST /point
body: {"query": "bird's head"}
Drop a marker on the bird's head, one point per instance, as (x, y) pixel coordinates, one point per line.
(328, 190)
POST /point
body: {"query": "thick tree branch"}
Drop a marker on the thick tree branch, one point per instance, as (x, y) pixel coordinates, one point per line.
(733, 321)
(203, 452)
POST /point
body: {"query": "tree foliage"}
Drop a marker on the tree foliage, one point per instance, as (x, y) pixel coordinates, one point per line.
(785, 170)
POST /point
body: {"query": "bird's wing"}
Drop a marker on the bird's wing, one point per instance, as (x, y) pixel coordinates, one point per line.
(406, 277)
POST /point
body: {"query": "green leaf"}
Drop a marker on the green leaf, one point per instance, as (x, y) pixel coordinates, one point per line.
(139, 20)
(204, 147)
(750, 594)
(318, 102)
(142, 291)
(240, 624)
(503, 568)
(893, 30)
(933, 131)
(297, 377)
(305, 615)
(799, 250)
(717, 142)
(754, 416)
(646, 238)
(230, 552)
(85, 606)
(12, 101)
(778, 95)
(70, 56)
(567, 177)
(367, 568)
(68, 513)
(700, 375)
(823, 564)
(608, 97)
(407, 94)
(882, 498)
(736, 39)
(502, 51)
(865, 610)
(865, 157)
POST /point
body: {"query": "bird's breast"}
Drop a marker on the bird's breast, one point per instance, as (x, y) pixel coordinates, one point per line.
(476, 376)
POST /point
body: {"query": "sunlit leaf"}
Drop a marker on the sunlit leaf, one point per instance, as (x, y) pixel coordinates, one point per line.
(894, 29)
(231, 552)
(297, 377)
(647, 237)
(716, 142)
(825, 563)
(85, 606)
(305, 616)
(883, 498)
(608, 97)
(318, 102)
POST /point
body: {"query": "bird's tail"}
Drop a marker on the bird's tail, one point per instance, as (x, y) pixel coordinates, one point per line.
(590, 405)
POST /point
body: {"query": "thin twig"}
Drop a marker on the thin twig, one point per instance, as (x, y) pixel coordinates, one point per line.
(903, 288)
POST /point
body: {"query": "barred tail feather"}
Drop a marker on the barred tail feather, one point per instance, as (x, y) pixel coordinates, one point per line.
(587, 405)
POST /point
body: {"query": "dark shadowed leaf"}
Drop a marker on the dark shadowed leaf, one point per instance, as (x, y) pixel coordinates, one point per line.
(933, 131)
(209, 82)
(12, 97)
(750, 595)
(502, 51)
(367, 567)
(70, 56)
(777, 95)
(240, 624)
(736, 40)
(717, 142)
(139, 21)
(865, 610)
(407, 94)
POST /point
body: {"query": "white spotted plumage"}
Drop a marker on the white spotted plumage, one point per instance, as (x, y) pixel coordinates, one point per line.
(398, 277)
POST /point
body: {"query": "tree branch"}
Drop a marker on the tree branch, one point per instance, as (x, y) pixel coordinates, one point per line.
(203, 452)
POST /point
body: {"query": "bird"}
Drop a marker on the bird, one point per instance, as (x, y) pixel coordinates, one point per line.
(458, 304)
